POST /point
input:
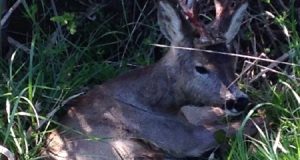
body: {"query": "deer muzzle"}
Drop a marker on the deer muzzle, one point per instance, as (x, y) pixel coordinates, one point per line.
(236, 102)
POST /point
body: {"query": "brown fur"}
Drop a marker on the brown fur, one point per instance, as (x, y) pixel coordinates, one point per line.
(135, 116)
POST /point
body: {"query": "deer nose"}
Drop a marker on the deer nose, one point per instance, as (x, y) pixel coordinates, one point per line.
(236, 106)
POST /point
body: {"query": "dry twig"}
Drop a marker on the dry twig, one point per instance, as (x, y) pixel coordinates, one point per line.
(272, 65)
(229, 54)
(9, 12)
(245, 70)
(17, 44)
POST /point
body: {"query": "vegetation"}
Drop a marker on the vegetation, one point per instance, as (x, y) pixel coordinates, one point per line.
(66, 47)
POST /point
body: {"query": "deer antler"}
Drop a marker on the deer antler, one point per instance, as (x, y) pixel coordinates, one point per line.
(224, 8)
(190, 11)
(216, 32)
(220, 7)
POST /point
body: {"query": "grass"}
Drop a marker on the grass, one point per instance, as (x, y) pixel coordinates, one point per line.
(86, 53)
(36, 82)
(282, 108)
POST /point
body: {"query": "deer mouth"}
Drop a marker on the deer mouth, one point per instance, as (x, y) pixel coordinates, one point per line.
(232, 112)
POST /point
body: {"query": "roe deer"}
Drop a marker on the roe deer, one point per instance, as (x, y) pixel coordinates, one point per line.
(137, 113)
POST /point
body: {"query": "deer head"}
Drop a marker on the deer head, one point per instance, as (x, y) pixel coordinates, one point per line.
(203, 76)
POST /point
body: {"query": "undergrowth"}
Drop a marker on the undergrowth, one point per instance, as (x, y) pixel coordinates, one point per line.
(87, 44)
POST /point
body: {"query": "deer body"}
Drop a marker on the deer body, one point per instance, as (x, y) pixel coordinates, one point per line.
(121, 124)
(137, 112)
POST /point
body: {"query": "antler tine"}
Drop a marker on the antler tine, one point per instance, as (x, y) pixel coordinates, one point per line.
(190, 11)
(224, 27)
(224, 10)
(219, 9)
(229, 16)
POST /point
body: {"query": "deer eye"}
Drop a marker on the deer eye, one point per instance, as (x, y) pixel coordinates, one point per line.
(201, 70)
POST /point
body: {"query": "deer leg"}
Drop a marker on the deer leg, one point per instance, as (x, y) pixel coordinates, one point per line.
(202, 115)
(133, 149)
(174, 136)
(167, 132)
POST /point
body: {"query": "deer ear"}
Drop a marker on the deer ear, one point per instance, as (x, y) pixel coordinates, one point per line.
(170, 22)
(235, 23)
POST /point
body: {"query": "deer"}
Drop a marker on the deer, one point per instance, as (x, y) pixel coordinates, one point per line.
(137, 115)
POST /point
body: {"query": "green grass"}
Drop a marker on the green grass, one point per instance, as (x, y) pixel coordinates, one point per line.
(281, 142)
(35, 83)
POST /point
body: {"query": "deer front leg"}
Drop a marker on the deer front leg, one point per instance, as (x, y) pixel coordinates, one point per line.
(133, 149)
(174, 136)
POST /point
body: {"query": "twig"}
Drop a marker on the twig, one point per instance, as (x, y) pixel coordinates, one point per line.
(275, 71)
(226, 53)
(17, 44)
(244, 71)
(270, 34)
(272, 65)
(254, 46)
(9, 12)
(132, 32)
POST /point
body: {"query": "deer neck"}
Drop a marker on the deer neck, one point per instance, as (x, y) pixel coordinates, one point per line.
(152, 88)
